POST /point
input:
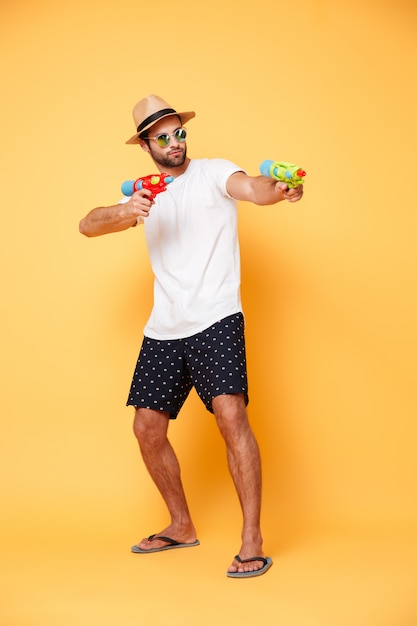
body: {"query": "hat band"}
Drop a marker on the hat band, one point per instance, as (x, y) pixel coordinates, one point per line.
(154, 117)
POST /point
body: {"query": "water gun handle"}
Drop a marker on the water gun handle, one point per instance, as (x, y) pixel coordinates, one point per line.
(285, 172)
(156, 183)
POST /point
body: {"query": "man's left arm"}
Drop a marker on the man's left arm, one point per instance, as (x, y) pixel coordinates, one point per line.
(261, 190)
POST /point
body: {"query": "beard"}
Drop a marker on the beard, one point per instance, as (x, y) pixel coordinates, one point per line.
(170, 160)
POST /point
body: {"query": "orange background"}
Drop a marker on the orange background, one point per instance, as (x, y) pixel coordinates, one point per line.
(329, 292)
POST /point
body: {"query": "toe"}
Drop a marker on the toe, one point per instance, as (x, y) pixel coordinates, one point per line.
(234, 567)
(248, 565)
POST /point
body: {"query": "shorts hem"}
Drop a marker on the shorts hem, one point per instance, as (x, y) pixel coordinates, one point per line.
(227, 393)
(172, 414)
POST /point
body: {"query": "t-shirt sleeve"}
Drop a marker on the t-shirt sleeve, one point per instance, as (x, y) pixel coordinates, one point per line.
(222, 170)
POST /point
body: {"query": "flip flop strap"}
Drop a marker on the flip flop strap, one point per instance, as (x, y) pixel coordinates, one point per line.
(172, 542)
(254, 558)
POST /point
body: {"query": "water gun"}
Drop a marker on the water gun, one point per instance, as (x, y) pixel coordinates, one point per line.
(156, 183)
(285, 172)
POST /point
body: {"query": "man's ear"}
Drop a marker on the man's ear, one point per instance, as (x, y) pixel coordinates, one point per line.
(144, 145)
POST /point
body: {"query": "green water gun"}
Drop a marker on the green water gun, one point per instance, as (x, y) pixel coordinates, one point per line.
(288, 173)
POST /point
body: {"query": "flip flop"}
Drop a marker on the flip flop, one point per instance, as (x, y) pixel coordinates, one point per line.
(267, 562)
(172, 544)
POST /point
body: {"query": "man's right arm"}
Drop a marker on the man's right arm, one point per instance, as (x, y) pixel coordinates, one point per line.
(113, 219)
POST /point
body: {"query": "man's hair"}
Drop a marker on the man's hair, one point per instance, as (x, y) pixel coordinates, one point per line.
(145, 138)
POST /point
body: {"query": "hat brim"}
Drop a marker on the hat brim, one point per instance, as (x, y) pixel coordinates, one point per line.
(184, 117)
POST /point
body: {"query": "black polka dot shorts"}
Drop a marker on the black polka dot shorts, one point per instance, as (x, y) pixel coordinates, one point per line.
(213, 361)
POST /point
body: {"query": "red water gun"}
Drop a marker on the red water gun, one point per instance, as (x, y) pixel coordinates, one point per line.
(156, 183)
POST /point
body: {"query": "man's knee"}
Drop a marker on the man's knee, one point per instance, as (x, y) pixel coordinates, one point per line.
(149, 425)
(230, 412)
(229, 404)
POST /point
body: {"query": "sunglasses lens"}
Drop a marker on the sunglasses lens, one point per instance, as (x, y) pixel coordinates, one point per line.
(163, 140)
(180, 134)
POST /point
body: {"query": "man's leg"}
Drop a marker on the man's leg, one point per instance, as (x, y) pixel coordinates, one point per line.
(245, 468)
(151, 428)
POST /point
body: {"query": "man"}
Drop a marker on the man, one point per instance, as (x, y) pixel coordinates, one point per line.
(195, 333)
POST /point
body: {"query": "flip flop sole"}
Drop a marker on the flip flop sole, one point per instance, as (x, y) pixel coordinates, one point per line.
(138, 550)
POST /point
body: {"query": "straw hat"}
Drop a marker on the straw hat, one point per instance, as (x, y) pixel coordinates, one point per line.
(150, 110)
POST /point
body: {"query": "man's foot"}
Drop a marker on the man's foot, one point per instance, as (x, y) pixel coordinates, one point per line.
(240, 565)
(247, 568)
(168, 544)
(250, 559)
(171, 537)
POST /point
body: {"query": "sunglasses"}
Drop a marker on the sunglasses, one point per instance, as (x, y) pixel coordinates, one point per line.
(164, 138)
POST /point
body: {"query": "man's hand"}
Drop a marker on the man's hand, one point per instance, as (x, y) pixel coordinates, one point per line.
(291, 194)
(140, 203)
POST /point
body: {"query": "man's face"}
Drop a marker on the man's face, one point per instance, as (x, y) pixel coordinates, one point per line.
(175, 153)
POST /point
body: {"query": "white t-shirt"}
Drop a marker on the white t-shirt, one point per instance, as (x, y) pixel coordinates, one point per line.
(192, 239)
